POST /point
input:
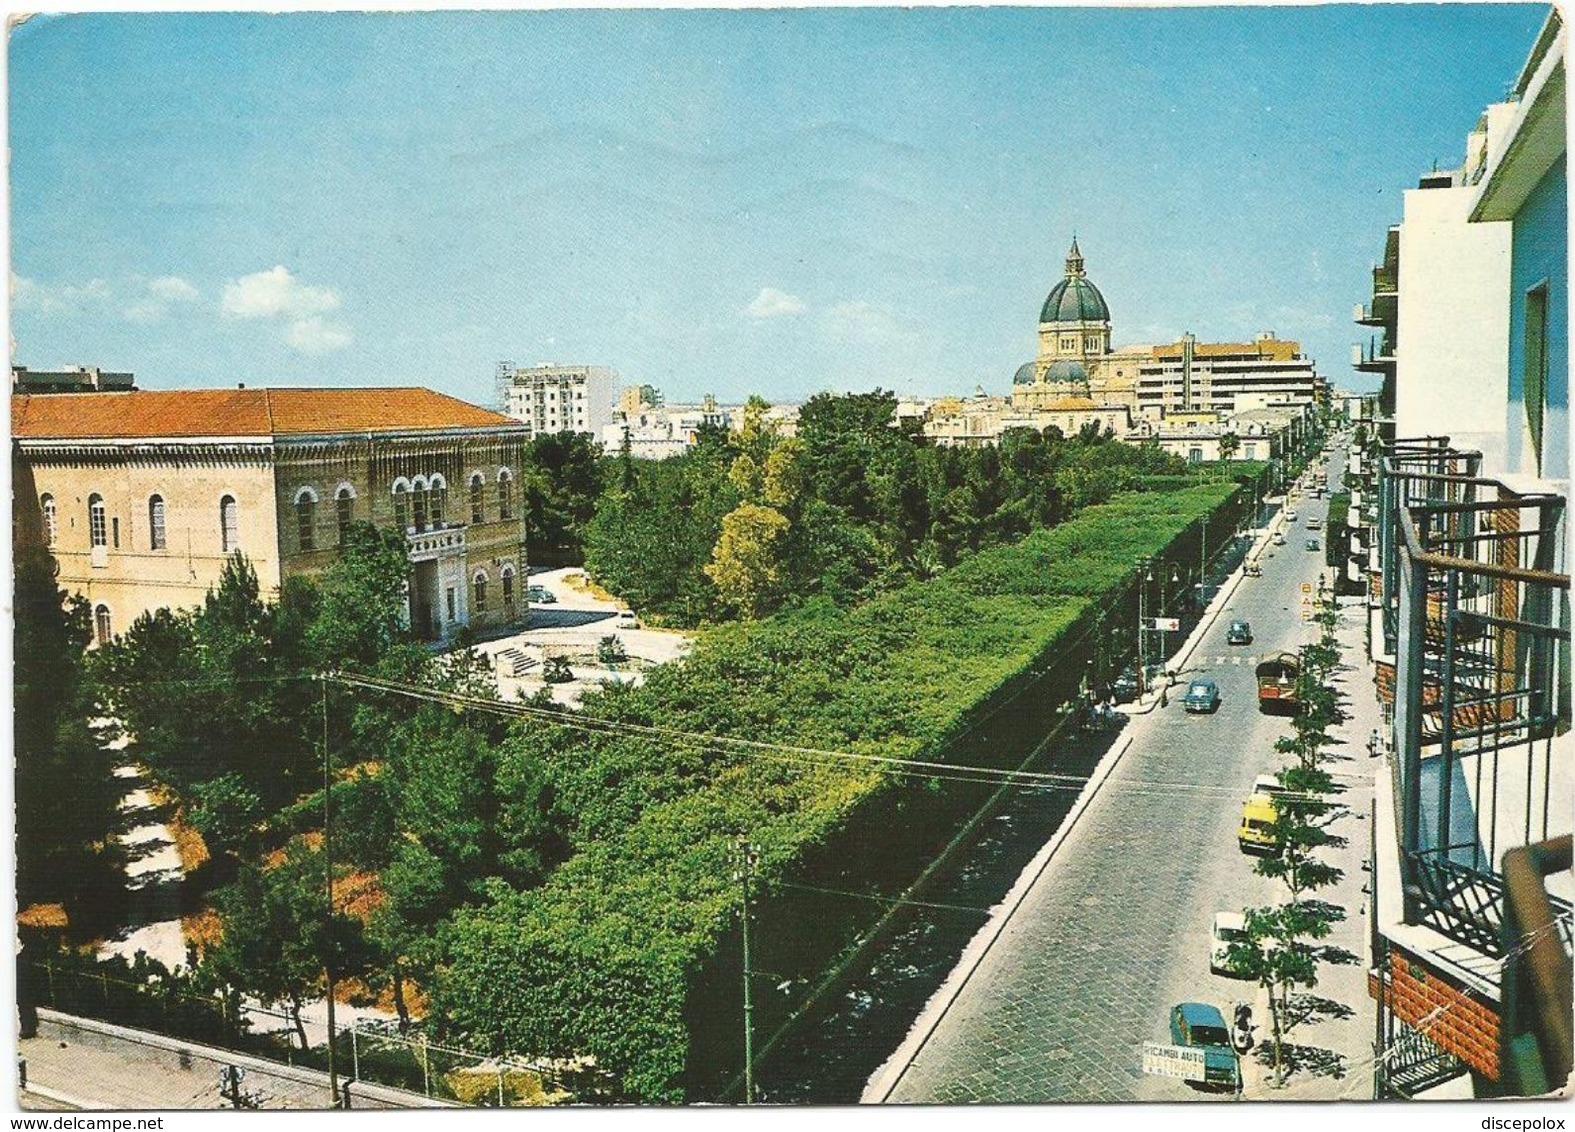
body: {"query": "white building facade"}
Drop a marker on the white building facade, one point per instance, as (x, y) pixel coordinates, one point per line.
(554, 398)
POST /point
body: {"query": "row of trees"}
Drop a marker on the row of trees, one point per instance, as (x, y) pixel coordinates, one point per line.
(229, 710)
(750, 522)
(1287, 942)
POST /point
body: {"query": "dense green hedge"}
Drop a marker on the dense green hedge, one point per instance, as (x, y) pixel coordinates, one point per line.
(604, 957)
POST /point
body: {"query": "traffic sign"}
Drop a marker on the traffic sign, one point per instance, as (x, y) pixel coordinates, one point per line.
(1168, 624)
(1174, 1061)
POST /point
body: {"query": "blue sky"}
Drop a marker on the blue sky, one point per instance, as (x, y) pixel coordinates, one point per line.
(778, 202)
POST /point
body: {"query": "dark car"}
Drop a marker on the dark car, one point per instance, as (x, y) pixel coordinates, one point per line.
(1124, 688)
(540, 594)
(1197, 1025)
(1313, 544)
(1203, 696)
(1239, 633)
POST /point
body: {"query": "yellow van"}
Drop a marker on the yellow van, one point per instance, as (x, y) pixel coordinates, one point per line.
(1258, 816)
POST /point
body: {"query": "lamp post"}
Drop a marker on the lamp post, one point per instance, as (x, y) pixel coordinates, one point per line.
(1145, 575)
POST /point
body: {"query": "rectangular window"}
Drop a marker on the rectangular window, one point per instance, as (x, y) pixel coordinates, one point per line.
(453, 610)
(1535, 365)
(345, 504)
(114, 532)
(156, 534)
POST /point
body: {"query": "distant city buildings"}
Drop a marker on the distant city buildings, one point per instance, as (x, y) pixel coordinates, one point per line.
(72, 379)
(1076, 359)
(653, 430)
(554, 398)
(142, 496)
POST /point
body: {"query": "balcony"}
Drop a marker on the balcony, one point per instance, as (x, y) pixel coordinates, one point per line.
(1378, 356)
(1481, 635)
(434, 545)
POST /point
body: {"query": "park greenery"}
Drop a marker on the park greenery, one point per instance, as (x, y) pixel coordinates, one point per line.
(554, 889)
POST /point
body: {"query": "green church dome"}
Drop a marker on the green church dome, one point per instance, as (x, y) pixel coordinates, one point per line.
(1075, 299)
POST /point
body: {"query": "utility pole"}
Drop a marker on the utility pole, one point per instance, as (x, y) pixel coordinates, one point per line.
(328, 880)
(746, 857)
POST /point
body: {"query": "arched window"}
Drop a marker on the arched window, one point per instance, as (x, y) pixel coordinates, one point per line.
(477, 506)
(46, 503)
(229, 525)
(480, 604)
(103, 633)
(344, 512)
(437, 500)
(505, 495)
(418, 495)
(306, 518)
(402, 505)
(507, 574)
(156, 534)
(98, 522)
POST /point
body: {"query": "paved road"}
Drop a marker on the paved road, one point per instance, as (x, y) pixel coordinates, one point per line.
(1116, 929)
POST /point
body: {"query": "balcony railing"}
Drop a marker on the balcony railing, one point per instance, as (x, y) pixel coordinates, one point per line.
(1478, 622)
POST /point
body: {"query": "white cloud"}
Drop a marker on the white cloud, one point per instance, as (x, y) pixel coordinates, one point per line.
(174, 289)
(276, 294)
(158, 297)
(44, 298)
(314, 336)
(771, 303)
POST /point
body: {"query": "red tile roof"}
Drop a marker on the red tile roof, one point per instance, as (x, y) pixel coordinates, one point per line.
(241, 412)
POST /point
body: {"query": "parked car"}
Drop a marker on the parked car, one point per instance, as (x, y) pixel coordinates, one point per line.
(1314, 523)
(1278, 539)
(1197, 1025)
(1124, 688)
(1314, 544)
(1291, 515)
(627, 619)
(1258, 817)
(1202, 696)
(1229, 928)
(540, 594)
(1239, 633)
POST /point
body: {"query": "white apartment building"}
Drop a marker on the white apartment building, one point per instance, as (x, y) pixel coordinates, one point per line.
(554, 398)
(1451, 341)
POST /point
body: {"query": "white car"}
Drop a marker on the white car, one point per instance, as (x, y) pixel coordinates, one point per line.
(1291, 515)
(1278, 539)
(627, 620)
(1229, 928)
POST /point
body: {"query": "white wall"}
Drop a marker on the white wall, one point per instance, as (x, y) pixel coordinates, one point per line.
(1452, 355)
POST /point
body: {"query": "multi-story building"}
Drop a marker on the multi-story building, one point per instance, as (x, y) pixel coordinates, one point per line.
(142, 496)
(554, 398)
(1445, 347)
(1472, 892)
(72, 379)
(1076, 360)
(1225, 377)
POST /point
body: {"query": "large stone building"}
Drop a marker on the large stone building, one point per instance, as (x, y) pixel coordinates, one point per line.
(1076, 360)
(142, 496)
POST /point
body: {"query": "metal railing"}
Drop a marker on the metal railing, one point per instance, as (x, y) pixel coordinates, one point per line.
(1478, 622)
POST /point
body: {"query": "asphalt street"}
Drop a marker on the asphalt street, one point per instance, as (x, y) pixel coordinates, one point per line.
(1116, 928)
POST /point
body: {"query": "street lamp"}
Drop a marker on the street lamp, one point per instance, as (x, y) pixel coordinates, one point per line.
(1145, 573)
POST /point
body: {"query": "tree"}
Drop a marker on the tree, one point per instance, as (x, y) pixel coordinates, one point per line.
(66, 794)
(746, 565)
(562, 482)
(1230, 444)
(280, 942)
